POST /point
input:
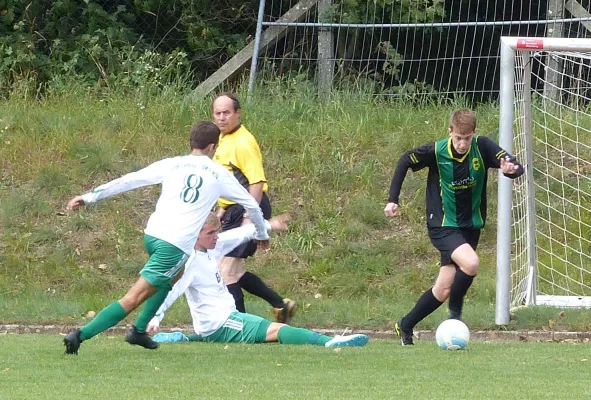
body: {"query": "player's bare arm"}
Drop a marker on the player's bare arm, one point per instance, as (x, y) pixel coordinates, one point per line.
(256, 191)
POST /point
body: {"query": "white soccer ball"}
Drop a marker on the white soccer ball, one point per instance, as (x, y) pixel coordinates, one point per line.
(452, 334)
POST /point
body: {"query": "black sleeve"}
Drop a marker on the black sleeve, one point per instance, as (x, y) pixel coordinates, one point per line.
(416, 159)
(492, 154)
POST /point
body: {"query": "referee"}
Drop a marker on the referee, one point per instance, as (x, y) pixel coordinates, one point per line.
(239, 152)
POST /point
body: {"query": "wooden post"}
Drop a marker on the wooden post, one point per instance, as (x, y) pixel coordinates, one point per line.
(325, 51)
(553, 82)
(269, 37)
(578, 11)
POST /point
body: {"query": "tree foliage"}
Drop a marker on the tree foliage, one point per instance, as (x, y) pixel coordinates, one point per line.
(150, 43)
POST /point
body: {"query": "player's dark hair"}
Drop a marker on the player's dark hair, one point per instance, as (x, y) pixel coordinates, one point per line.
(232, 97)
(203, 134)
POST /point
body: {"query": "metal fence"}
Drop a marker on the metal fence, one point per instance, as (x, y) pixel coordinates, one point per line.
(405, 48)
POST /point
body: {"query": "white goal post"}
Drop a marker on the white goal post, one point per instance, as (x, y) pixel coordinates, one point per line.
(544, 217)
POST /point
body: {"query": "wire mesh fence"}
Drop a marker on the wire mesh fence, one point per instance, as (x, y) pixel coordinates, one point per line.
(387, 47)
(408, 48)
(210, 33)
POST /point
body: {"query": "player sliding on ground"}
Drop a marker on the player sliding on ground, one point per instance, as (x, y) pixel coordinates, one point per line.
(191, 186)
(214, 313)
(456, 209)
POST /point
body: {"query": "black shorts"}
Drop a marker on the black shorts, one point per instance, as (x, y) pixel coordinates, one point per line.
(233, 219)
(446, 240)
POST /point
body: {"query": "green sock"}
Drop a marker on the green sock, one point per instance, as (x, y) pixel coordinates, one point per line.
(151, 305)
(290, 335)
(108, 317)
(193, 337)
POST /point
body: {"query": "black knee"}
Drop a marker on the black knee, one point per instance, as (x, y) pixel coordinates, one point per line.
(236, 291)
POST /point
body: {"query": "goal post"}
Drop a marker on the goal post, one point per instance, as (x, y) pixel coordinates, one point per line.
(544, 217)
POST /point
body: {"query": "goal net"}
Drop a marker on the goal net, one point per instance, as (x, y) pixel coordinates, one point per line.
(544, 236)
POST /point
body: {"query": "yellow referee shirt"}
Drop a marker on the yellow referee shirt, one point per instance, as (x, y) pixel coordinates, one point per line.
(240, 153)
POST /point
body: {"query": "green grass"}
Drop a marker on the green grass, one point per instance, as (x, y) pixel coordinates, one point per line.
(34, 366)
(358, 312)
(329, 164)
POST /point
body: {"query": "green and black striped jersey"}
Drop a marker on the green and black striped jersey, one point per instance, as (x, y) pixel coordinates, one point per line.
(456, 183)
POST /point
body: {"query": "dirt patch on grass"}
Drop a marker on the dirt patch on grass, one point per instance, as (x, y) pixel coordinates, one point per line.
(478, 336)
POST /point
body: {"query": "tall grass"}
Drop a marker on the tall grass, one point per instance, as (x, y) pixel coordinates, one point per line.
(329, 164)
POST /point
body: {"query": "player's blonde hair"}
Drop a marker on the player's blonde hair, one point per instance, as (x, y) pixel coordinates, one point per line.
(213, 221)
(463, 121)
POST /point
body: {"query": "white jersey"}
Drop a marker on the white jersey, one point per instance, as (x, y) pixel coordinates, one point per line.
(191, 186)
(209, 300)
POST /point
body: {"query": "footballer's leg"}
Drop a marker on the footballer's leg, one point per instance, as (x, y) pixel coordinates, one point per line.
(165, 262)
(72, 342)
(233, 273)
(283, 309)
(266, 331)
(286, 334)
(153, 295)
(109, 316)
(236, 292)
(430, 301)
(171, 337)
(446, 240)
(165, 265)
(248, 328)
(231, 269)
(467, 260)
(285, 313)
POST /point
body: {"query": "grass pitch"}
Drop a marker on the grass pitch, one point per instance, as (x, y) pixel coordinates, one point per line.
(34, 366)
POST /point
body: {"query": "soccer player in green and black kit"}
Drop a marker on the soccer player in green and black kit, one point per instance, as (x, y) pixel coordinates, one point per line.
(456, 209)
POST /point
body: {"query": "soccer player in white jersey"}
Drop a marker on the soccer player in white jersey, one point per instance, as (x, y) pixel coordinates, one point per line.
(191, 186)
(214, 313)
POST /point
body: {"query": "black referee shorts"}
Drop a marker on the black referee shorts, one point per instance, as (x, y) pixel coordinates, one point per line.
(446, 240)
(233, 219)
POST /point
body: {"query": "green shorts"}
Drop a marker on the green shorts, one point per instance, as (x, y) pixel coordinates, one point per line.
(240, 328)
(164, 264)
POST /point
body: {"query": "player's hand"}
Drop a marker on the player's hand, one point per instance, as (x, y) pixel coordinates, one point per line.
(153, 326)
(508, 167)
(391, 209)
(75, 203)
(279, 223)
(221, 213)
(263, 245)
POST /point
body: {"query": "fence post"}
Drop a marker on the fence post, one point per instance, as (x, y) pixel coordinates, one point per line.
(255, 52)
(553, 81)
(325, 50)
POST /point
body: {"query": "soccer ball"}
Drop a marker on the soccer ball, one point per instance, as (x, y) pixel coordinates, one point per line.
(452, 334)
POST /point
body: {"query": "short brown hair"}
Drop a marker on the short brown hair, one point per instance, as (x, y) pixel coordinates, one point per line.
(203, 134)
(232, 97)
(463, 120)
